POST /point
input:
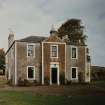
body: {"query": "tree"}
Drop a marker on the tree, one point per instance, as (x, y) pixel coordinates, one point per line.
(74, 30)
(2, 60)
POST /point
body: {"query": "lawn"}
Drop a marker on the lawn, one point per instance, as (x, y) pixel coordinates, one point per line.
(74, 94)
(29, 98)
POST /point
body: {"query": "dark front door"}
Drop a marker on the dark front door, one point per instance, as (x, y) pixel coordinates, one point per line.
(54, 75)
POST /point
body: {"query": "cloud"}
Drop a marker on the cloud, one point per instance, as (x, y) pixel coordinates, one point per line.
(92, 14)
(24, 18)
(36, 17)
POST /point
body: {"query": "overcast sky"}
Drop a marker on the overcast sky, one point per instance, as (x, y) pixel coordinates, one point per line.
(35, 17)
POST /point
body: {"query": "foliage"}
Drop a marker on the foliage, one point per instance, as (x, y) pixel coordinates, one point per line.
(74, 30)
(62, 78)
(26, 82)
(2, 59)
(46, 79)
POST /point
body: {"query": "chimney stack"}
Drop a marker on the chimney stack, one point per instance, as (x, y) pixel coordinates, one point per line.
(53, 31)
(10, 38)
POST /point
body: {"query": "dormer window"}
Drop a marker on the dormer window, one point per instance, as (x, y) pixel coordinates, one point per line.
(54, 51)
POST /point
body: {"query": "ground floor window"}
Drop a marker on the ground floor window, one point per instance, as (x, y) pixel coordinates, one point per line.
(30, 72)
(74, 72)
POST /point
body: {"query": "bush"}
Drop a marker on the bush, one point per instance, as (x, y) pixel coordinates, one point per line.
(9, 82)
(20, 82)
(26, 82)
(46, 79)
(23, 82)
(62, 79)
(36, 83)
(68, 82)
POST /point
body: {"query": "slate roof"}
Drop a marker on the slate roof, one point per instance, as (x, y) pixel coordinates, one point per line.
(33, 39)
(30, 39)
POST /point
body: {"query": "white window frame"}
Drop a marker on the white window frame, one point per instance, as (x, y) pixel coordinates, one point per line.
(51, 51)
(76, 73)
(76, 52)
(33, 44)
(33, 73)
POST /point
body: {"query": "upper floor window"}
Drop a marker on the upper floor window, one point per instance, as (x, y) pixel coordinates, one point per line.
(88, 58)
(54, 50)
(74, 52)
(30, 50)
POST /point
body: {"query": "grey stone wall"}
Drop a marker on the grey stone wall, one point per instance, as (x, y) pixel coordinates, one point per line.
(10, 64)
(23, 61)
(79, 62)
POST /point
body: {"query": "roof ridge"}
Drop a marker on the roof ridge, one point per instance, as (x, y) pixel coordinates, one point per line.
(33, 39)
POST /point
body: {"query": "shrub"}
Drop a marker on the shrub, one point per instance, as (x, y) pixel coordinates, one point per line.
(46, 79)
(26, 83)
(20, 82)
(62, 78)
(68, 82)
(36, 83)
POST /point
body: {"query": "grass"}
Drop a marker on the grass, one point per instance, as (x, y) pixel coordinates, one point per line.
(28, 98)
(75, 94)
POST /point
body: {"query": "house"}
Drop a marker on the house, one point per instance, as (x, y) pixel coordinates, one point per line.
(46, 60)
(97, 73)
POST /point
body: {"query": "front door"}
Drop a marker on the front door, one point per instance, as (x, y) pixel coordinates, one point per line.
(54, 75)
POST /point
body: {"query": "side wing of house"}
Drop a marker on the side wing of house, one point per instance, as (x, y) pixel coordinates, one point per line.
(77, 65)
(28, 61)
(10, 64)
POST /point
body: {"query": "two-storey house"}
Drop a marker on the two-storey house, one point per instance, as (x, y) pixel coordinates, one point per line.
(47, 60)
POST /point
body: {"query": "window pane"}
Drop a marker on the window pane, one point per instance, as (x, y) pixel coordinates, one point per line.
(30, 72)
(54, 48)
(73, 72)
(30, 50)
(54, 54)
(73, 52)
(54, 51)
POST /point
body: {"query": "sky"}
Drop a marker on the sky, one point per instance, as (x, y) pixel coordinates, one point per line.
(35, 17)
